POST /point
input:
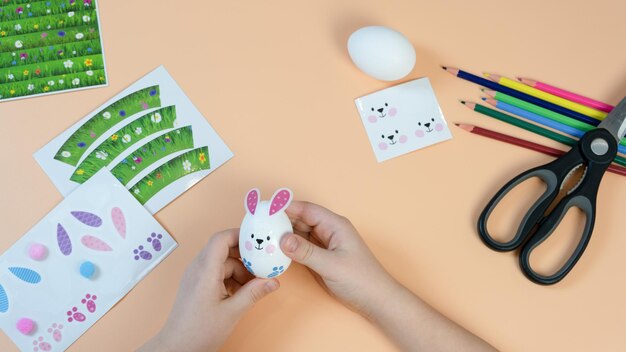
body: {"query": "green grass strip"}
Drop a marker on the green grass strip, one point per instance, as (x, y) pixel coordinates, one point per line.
(535, 129)
(51, 68)
(35, 40)
(73, 149)
(549, 114)
(50, 53)
(123, 139)
(164, 175)
(158, 148)
(46, 24)
(16, 10)
(52, 84)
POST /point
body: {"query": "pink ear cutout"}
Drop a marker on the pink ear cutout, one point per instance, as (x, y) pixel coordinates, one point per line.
(252, 200)
(280, 200)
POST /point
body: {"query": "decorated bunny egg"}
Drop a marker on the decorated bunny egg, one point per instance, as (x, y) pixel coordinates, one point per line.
(260, 233)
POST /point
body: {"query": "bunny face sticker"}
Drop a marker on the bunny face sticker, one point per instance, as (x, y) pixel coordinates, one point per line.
(402, 119)
(263, 226)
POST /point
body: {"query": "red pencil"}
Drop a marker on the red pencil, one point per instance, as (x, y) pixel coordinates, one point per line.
(526, 144)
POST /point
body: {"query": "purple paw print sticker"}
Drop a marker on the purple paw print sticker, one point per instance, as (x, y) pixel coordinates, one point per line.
(141, 253)
(156, 241)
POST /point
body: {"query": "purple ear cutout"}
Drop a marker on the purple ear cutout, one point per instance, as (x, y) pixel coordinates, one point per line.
(280, 200)
(252, 200)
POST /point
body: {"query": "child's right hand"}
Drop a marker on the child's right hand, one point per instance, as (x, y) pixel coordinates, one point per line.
(331, 247)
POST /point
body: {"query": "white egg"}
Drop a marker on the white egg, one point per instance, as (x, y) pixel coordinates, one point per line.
(261, 231)
(381, 52)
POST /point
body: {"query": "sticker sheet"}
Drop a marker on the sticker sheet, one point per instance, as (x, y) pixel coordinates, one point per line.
(49, 46)
(150, 136)
(402, 119)
(76, 264)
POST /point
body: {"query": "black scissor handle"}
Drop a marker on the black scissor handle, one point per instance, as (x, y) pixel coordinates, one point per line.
(547, 228)
(532, 217)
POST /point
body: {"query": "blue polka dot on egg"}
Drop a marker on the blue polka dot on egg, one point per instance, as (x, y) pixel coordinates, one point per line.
(87, 269)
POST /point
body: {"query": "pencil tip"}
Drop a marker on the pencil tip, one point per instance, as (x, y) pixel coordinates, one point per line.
(519, 78)
(483, 98)
(456, 124)
(462, 102)
(443, 67)
(486, 74)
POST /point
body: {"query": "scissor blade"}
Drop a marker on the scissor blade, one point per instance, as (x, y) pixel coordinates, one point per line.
(615, 122)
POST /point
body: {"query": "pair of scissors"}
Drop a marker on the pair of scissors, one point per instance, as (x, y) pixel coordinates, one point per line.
(595, 151)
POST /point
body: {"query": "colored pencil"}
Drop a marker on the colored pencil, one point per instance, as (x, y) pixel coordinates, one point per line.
(541, 120)
(577, 98)
(512, 92)
(527, 144)
(513, 84)
(541, 111)
(529, 127)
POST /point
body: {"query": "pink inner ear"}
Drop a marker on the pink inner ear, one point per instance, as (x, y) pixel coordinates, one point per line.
(279, 201)
(252, 200)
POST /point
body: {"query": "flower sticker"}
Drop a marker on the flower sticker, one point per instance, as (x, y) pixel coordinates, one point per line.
(88, 62)
(46, 88)
(61, 81)
(137, 159)
(89, 73)
(10, 76)
(106, 115)
(114, 137)
(150, 183)
(101, 154)
(44, 35)
(68, 63)
(138, 130)
(126, 138)
(86, 18)
(61, 33)
(31, 87)
(187, 165)
(76, 81)
(80, 172)
(18, 44)
(159, 175)
(81, 144)
(26, 73)
(66, 154)
(79, 36)
(167, 139)
(156, 117)
(70, 14)
(136, 191)
(202, 158)
(50, 83)
(18, 27)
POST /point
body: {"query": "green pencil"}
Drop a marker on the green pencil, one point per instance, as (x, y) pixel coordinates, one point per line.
(529, 127)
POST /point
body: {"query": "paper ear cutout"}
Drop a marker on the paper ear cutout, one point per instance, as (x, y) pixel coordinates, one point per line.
(280, 200)
(252, 200)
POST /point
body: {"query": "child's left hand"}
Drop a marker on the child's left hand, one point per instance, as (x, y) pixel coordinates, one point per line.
(215, 291)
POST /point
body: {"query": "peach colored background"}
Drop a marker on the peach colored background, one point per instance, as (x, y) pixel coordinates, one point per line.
(275, 80)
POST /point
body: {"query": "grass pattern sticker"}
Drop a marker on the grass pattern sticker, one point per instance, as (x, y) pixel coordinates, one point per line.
(153, 151)
(48, 46)
(76, 145)
(184, 164)
(123, 139)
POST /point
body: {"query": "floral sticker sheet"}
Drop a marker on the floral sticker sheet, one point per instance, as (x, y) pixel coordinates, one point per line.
(95, 246)
(150, 136)
(49, 46)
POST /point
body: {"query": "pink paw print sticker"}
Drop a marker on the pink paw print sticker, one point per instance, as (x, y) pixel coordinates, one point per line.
(40, 345)
(89, 302)
(381, 112)
(392, 139)
(428, 127)
(55, 331)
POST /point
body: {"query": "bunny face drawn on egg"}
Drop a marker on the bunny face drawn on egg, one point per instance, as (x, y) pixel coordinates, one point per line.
(263, 226)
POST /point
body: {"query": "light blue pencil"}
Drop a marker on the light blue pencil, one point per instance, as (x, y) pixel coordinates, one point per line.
(574, 132)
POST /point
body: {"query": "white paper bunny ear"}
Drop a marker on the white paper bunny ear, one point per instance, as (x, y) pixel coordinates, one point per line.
(252, 200)
(280, 200)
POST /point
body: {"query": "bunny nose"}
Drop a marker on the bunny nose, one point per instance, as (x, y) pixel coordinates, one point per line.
(259, 241)
(381, 109)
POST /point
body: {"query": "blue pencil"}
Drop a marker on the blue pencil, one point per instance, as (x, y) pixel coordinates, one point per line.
(574, 132)
(517, 94)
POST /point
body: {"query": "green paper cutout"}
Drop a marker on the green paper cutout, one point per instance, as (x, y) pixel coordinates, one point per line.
(153, 151)
(172, 170)
(77, 144)
(122, 139)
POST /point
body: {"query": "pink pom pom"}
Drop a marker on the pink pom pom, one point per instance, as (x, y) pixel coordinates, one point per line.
(25, 326)
(37, 251)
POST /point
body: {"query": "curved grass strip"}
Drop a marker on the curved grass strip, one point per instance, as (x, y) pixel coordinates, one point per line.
(182, 165)
(49, 53)
(123, 139)
(11, 9)
(52, 68)
(34, 40)
(62, 82)
(73, 149)
(153, 151)
(46, 24)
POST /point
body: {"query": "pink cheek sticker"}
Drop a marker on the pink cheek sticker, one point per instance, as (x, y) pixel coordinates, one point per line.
(248, 245)
(403, 139)
(393, 112)
(419, 133)
(372, 119)
(270, 249)
(438, 127)
(382, 146)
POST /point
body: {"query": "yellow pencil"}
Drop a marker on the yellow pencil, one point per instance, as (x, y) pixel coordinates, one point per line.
(513, 84)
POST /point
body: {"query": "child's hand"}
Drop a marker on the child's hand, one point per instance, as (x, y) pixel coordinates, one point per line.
(214, 293)
(331, 247)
